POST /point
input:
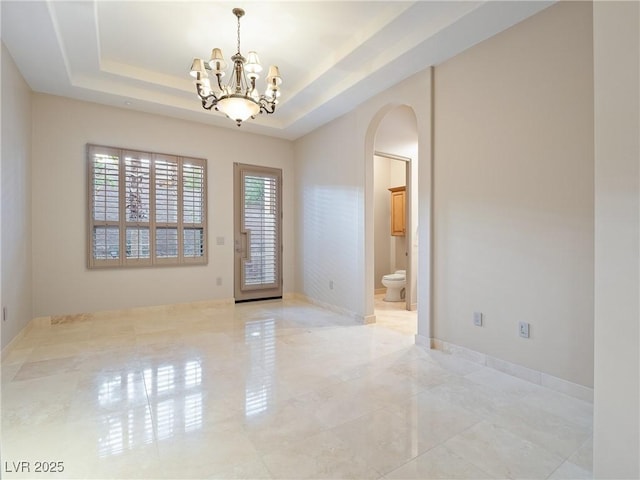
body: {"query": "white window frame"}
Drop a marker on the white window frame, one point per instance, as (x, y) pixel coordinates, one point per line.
(152, 224)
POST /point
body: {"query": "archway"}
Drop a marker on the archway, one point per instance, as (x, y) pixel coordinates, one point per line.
(392, 139)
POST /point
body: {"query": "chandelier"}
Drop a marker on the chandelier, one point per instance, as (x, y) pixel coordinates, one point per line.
(239, 99)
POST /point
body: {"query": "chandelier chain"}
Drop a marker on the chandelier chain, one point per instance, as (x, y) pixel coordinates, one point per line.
(238, 35)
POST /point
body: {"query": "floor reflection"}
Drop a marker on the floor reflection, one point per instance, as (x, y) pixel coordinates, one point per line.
(260, 337)
(123, 429)
(193, 412)
(174, 396)
(124, 432)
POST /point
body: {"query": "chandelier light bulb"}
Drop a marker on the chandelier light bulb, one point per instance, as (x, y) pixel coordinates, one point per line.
(272, 93)
(253, 67)
(197, 69)
(217, 63)
(273, 78)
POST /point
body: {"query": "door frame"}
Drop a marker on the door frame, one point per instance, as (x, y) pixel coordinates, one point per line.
(410, 247)
(240, 237)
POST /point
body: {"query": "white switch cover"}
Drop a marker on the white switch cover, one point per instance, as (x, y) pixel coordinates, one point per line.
(477, 318)
(524, 329)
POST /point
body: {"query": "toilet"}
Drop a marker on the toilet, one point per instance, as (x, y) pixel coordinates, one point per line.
(395, 283)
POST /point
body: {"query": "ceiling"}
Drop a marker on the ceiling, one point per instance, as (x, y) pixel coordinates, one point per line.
(332, 55)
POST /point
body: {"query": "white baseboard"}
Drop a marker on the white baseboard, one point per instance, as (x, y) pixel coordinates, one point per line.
(423, 341)
(6, 351)
(534, 376)
(35, 322)
(366, 319)
(51, 320)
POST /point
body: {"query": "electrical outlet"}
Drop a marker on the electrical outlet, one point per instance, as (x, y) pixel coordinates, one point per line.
(219, 281)
(330, 284)
(524, 329)
(477, 319)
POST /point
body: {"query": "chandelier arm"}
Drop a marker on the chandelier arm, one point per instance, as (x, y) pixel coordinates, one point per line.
(203, 95)
(264, 104)
(208, 101)
(219, 77)
(249, 84)
(206, 105)
(200, 91)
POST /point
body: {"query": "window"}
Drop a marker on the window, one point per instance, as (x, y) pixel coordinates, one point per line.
(145, 208)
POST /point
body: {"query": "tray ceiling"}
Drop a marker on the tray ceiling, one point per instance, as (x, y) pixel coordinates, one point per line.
(332, 55)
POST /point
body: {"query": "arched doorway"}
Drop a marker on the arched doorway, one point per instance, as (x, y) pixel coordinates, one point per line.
(392, 154)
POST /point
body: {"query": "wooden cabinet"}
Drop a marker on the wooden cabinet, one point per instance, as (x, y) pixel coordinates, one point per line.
(398, 211)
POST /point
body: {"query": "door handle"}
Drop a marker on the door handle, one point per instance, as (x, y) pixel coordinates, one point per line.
(247, 245)
(243, 244)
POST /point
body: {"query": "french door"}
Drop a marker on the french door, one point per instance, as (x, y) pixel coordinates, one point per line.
(258, 232)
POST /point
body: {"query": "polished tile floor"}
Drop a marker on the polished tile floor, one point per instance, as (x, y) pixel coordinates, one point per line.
(278, 389)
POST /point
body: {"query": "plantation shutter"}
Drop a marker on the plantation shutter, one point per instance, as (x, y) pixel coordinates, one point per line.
(193, 209)
(137, 170)
(260, 221)
(145, 208)
(104, 172)
(166, 207)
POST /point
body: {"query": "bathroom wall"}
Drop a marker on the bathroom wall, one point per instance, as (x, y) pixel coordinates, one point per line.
(382, 218)
(398, 178)
(389, 250)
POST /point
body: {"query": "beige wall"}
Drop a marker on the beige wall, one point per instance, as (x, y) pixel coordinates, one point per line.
(16, 284)
(382, 218)
(329, 199)
(617, 240)
(61, 129)
(513, 173)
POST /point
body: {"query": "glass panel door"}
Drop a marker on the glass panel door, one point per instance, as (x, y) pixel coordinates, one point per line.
(257, 242)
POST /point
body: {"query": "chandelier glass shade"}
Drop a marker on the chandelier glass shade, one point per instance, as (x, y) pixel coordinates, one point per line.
(239, 99)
